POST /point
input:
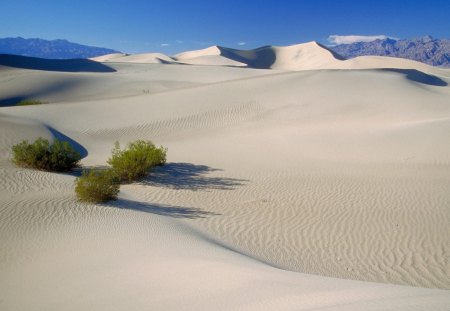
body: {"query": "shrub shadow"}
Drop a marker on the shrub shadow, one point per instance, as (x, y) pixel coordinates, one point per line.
(75, 145)
(162, 209)
(188, 176)
(57, 87)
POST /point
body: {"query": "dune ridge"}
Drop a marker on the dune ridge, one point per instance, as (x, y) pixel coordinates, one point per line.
(304, 56)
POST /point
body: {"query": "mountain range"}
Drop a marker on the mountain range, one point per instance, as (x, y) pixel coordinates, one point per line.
(425, 49)
(51, 49)
(435, 52)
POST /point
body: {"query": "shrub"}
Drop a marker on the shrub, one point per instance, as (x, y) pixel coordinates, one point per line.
(30, 102)
(134, 162)
(58, 156)
(97, 186)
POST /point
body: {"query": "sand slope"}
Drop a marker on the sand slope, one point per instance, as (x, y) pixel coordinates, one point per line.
(108, 57)
(283, 190)
(129, 81)
(149, 58)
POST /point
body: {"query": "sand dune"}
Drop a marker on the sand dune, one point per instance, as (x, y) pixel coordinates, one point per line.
(63, 65)
(283, 189)
(209, 56)
(305, 56)
(212, 60)
(130, 80)
(108, 57)
(296, 57)
(209, 51)
(148, 58)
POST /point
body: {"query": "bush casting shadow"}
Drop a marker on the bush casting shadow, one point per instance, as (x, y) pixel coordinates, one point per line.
(97, 186)
(41, 154)
(162, 209)
(30, 102)
(187, 176)
(134, 162)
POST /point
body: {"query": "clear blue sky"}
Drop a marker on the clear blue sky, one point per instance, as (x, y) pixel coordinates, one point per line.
(172, 26)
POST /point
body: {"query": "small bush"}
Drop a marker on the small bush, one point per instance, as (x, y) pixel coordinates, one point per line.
(97, 186)
(134, 162)
(58, 157)
(30, 102)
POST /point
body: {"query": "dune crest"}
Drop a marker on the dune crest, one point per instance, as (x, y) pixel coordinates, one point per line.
(107, 57)
(298, 57)
(209, 51)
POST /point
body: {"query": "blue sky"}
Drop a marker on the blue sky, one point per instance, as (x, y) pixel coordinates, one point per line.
(172, 26)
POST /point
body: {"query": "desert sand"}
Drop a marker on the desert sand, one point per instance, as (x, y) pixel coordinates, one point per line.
(301, 182)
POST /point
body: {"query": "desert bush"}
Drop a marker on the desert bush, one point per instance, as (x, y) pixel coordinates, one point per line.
(30, 102)
(97, 186)
(134, 162)
(58, 156)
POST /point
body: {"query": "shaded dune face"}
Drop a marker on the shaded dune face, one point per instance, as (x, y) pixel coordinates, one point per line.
(295, 57)
(419, 76)
(262, 58)
(65, 65)
(287, 189)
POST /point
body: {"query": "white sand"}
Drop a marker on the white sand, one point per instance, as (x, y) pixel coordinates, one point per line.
(283, 190)
(108, 57)
(150, 58)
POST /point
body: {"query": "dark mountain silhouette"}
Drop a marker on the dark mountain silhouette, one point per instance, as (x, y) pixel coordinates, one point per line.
(51, 49)
(426, 49)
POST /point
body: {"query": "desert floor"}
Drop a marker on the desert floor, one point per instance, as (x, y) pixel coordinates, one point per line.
(284, 190)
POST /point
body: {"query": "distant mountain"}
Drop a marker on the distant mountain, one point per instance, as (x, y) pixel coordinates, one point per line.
(52, 49)
(426, 49)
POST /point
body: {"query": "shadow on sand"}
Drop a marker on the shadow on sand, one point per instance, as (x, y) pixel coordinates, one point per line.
(56, 87)
(75, 145)
(260, 58)
(162, 209)
(187, 176)
(62, 65)
(418, 76)
(178, 176)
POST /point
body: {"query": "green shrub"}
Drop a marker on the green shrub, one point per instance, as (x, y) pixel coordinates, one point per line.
(58, 156)
(134, 162)
(30, 102)
(97, 186)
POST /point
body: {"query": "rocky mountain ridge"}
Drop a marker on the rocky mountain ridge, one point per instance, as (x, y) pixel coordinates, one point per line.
(51, 49)
(429, 50)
